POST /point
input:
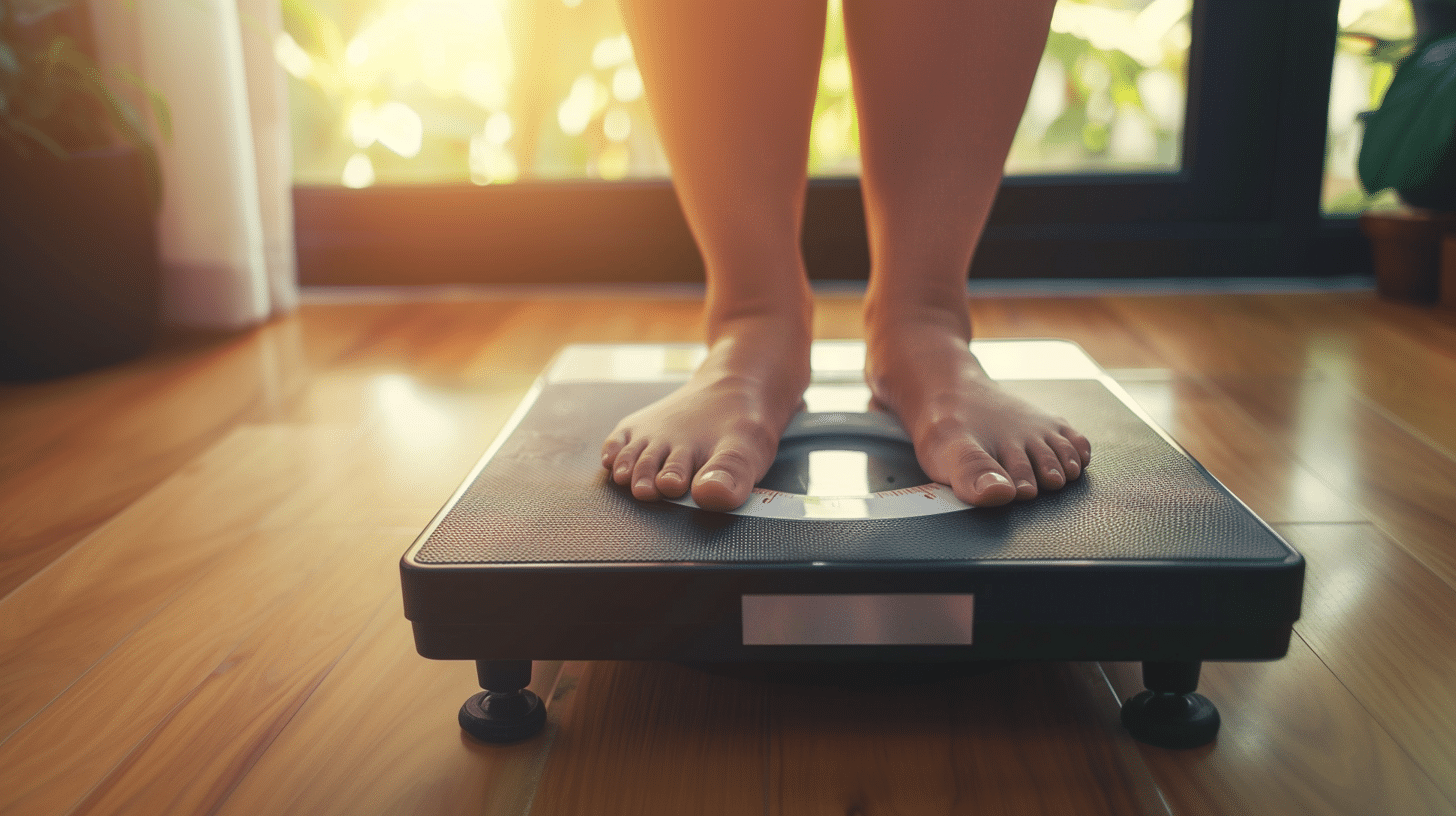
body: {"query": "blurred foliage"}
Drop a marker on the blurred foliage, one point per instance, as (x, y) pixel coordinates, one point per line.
(1375, 35)
(411, 91)
(54, 98)
(1413, 130)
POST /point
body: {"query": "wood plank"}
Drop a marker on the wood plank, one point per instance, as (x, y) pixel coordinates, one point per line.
(407, 339)
(1256, 466)
(76, 462)
(657, 738)
(1025, 739)
(37, 416)
(1293, 740)
(58, 624)
(419, 442)
(1381, 622)
(210, 740)
(379, 736)
(1088, 321)
(1208, 335)
(1402, 484)
(203, 683)
(1397, 356)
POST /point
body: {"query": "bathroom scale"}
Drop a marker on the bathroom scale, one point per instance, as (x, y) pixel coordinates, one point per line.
(845, 553)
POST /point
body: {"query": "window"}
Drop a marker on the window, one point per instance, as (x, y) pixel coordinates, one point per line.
(1162, 138)
(411, 91)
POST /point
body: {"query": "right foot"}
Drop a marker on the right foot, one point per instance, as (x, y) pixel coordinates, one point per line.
(716, 436)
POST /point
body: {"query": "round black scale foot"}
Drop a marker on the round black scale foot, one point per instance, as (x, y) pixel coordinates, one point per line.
(1171, 720)
(497, 717)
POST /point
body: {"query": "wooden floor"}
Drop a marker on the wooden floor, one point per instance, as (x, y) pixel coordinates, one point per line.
(200, 612)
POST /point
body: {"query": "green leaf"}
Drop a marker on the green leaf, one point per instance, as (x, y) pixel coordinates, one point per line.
(1416, 123)
(50, 114)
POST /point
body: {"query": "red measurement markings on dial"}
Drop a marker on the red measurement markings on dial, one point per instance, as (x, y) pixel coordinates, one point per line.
(926, 490)
(765, 495)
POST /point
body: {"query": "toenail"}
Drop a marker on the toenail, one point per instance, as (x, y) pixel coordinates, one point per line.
(991, 479)
(721, 476)
(1054, 474)
(1073, 470)
(1024, 483)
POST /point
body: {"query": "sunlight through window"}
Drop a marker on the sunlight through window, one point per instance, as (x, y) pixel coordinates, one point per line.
(415, 91)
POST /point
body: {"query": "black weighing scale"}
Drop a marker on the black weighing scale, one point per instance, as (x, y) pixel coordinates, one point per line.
(845, 553)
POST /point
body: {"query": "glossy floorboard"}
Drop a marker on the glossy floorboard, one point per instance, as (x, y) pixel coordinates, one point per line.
(199, 606)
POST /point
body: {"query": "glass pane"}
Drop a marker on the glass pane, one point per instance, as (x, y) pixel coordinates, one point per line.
(416, 91)
(1111, 90)
(1374, 36)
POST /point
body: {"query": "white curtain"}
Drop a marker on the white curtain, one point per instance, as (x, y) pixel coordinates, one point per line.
(226, 227)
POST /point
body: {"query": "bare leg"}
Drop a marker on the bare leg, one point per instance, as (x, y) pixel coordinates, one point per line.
(940, 86)
(731, 86)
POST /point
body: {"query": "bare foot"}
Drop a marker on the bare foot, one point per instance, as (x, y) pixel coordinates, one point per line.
(718, 433)
(990, 446)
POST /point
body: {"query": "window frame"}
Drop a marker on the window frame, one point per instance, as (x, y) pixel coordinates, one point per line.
(1246, 202)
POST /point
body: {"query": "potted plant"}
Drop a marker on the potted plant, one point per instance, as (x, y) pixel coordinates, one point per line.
(80, 187)
(1410, 145)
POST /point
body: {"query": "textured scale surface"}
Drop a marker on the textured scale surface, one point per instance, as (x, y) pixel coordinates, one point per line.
(545, 498)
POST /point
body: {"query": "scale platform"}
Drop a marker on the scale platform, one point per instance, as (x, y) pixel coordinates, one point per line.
(845, 553)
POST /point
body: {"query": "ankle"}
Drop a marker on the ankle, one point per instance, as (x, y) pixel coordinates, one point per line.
(892, 320)
(786, 319)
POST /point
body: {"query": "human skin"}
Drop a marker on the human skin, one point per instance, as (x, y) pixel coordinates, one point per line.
(939, 86)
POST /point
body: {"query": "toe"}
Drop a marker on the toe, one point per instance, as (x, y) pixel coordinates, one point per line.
(1080, 444)
(1023, 476)
(1071, 460)
(1047, 465)
(644, 473)
(626, 462)
(674, 478)
(613, 446)
(980, 480)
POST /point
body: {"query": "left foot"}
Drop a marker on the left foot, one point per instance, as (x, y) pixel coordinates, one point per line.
(989, 445)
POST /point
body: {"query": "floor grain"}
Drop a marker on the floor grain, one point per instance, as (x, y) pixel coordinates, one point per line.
(200, 612)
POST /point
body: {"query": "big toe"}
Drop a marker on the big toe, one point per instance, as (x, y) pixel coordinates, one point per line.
(990, 489)
(979, 480)
(718, 489)
(725, 480)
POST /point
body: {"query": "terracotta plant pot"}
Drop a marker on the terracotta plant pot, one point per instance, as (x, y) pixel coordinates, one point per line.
(80, 278)
(1406, 246)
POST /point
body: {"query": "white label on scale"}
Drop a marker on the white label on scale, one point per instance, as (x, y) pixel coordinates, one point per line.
(858, 620)
(909, 502)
